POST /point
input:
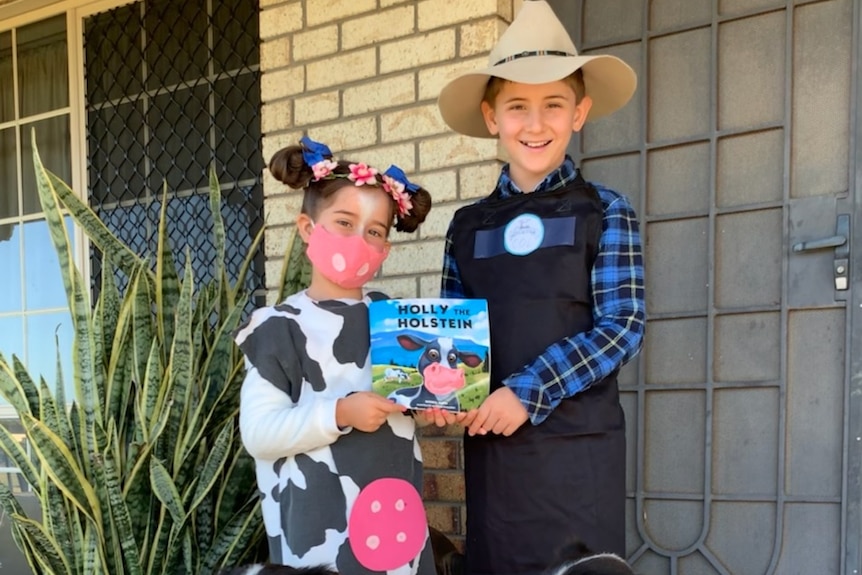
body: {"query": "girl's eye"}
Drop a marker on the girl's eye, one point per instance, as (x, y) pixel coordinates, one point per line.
(376, 233)
(343, 223)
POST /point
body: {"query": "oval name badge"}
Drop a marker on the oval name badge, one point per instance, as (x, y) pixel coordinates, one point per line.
(523, 235)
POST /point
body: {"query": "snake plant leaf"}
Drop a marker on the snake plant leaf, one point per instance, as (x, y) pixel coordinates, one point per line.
(143, 334)
(214, 464)
(45, 547)
(239, 286)
(166, 491)
(18, 455)
(83, 357)
(167, 282)
(61, 467)
(19, 391)
(218, 227)
(296, 273)
(231, 543)
(105, 317)
(57, 522)
(114, 250)
(181, 365)
(120, 514)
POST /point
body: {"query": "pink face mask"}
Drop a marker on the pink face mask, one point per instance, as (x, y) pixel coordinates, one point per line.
(347, 261)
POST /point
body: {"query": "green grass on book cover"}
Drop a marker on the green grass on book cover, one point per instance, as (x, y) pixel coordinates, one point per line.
(431, 352)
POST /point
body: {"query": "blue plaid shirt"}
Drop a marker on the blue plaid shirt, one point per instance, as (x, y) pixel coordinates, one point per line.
(574, 363)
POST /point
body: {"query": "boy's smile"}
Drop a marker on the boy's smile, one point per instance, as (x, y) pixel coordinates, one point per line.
(535, 123)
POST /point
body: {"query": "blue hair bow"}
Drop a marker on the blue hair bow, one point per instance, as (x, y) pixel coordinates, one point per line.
(314, 152)
(398, 175)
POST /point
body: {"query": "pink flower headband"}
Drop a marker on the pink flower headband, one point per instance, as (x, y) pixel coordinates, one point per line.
(318, 157)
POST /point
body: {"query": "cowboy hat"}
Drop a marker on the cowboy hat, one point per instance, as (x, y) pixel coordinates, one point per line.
(535, 49)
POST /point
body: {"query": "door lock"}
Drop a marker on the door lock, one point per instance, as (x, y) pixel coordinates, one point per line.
(840, 241)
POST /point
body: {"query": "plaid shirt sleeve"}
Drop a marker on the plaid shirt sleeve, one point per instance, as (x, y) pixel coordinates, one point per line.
(573, 364)
(450, 284)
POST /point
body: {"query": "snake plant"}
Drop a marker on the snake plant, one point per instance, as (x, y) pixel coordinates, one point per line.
(142, 471)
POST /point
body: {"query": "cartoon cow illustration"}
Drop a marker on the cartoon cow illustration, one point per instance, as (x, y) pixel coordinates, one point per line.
(441, 376)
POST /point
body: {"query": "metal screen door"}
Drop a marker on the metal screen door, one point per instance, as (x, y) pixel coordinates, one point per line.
(739, 153)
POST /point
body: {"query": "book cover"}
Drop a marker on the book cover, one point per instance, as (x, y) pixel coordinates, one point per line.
(431, 352)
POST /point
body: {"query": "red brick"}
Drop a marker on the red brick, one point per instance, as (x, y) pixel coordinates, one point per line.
(444, 486)
(440, 453)
(444, 517)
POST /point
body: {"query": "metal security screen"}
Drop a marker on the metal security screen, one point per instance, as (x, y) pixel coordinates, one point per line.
(173, 88)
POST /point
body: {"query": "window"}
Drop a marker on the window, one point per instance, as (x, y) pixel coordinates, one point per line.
(171, 89)
(34, 94)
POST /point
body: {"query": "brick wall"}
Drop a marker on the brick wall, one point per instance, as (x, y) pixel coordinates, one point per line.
(363, 77)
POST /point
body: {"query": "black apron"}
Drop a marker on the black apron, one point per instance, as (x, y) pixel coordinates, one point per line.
(530, 494)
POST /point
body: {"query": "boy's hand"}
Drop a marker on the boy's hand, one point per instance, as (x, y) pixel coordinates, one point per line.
(501, 413)
(440, 417)
(364, 410)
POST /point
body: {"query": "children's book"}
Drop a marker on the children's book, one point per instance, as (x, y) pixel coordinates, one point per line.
(431, 352)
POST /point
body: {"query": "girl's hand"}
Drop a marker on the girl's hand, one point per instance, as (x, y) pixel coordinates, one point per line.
(365, 411)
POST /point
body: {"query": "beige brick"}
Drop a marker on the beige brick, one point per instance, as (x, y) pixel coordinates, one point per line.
(479, 37)
(271, 144)
(276, 240)
(450, 151)
(332, 10)
(275, 53)
(267, 3)
(478, 181)
(280, 20)
(378, 95)
(281, 83)
(381, 157)
(437, 222)
(437, 13)
(379, 26)
(317, 108)
(432, 80)
(417, 51)
(281, 210)
(412, 123)
(342, 69)
(388, 3)
(272, 269)
(276, 116)
(415, 258)
(315, 43)
(347, 134)
(441, 185)
(394, 287)
(429, 286)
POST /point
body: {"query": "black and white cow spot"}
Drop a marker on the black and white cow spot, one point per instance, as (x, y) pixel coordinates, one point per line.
(321, 485)
(351, 344)
(352, 451)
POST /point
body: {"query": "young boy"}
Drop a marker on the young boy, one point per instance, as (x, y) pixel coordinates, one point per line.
(559, 261)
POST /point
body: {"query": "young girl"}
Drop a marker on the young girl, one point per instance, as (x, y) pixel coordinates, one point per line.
(338, 466)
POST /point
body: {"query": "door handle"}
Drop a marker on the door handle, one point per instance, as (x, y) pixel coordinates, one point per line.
(842, 250)
(830, 242)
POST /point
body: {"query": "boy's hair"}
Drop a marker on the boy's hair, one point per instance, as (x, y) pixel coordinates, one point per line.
(288, 166)
(575, 80)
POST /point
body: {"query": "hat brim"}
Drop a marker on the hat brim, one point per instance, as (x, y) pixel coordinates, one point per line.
(608, 81)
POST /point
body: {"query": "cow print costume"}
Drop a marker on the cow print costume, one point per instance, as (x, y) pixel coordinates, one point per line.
(301, 357)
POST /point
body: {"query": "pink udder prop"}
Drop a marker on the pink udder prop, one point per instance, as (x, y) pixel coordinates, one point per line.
(441, 380)
(387, 524)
